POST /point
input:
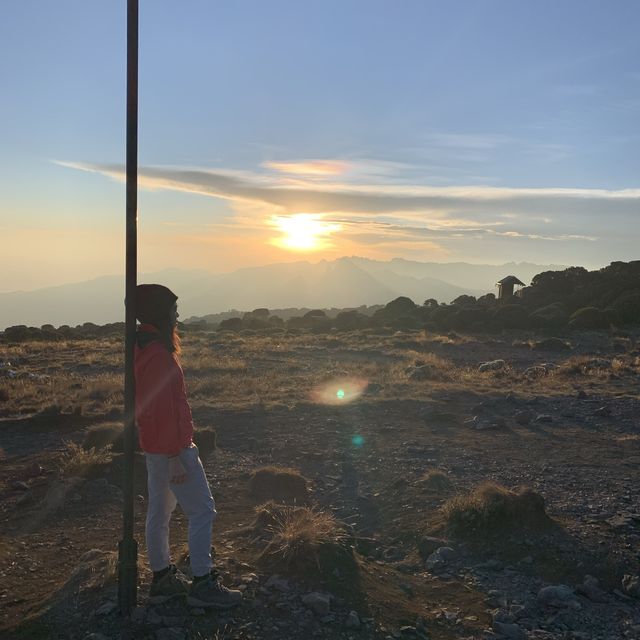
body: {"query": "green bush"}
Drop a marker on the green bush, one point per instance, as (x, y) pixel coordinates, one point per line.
(553, 316)
(510, 316)
(590, 318)
(627, 308)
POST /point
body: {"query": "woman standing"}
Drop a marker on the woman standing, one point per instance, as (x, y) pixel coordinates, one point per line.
(174, 470)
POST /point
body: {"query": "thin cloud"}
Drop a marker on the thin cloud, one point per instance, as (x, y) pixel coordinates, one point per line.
(376, 213)
(311, 168)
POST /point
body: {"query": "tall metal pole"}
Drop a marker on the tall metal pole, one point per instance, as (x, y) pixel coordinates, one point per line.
(128, 547)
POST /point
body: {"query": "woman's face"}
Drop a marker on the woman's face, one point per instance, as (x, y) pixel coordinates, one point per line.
(174, 315)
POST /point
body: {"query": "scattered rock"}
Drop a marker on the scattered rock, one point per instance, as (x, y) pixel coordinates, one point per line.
(631, 585)
(439, 558)
(590, 588)
(278, 583)
(106, 609)
(492, 365)
(353, 620)
(509, 630)
(153, 617)
(555, 596)
(319, 603)
(138, 615)
(170, 633)
(423, 372)
(428, 544)
(537, 371)
(523, 417)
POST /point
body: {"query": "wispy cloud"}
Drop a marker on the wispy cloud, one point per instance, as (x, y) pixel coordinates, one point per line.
(368, 214)
(310, 168)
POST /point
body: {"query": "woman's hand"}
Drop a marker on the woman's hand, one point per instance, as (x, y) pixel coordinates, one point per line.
(177, 473)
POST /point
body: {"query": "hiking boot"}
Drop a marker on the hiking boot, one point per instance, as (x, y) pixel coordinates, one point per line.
(210, 592)
(172, 585)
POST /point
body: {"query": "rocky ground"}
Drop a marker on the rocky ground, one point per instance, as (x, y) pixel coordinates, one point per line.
(364, 418)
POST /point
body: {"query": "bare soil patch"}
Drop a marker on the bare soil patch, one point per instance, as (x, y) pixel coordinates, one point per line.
(383, 461)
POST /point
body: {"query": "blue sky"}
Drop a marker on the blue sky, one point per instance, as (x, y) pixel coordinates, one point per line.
(274, 131)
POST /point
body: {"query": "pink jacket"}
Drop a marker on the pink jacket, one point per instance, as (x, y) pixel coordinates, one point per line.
(163, 414)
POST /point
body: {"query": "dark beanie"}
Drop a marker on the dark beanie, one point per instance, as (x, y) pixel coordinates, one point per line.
(153, 303)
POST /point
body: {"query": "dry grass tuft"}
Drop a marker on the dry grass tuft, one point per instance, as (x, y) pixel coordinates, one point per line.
(103, 436)
(76, 461)
(435, 480)
(490, 508)
(301, 540)
(280, 484)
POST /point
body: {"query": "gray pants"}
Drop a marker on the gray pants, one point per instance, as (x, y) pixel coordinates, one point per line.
(195, 499)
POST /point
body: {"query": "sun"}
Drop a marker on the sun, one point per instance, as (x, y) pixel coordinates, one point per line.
(303, 231)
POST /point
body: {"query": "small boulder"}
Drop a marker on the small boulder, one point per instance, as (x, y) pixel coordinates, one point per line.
(558, 596)
(353, 620)
(509, 630)
(439, 558)
(590, 588)
(491, 365)
(278, 583)
(319, 603)
(428, 544)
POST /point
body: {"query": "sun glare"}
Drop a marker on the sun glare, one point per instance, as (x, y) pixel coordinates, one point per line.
(303, 232)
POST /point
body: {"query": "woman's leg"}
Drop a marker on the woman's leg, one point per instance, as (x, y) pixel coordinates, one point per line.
(161, 504)
(194, 496)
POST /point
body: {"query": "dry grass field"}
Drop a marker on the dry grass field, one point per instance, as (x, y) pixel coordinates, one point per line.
(443, 499)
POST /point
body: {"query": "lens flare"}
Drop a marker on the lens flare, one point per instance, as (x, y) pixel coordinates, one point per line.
(339, 391)
(357, 441)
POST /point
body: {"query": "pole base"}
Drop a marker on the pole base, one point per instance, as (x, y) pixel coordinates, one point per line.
(127, 575)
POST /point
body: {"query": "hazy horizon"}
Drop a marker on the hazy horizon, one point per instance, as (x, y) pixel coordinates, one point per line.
(342, 283)
(142, 275)
(275, 132)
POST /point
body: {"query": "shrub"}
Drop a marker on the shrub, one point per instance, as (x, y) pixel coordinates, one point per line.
(231, 324)
(552, 316)
(75, 461)
(490, 508)
(511, 316)
(590, 318)
(400, 306)
(464, 300)
(103, 436)
(303, 540)
(627, 308)
(435, 480)
(350, 321)
(466, 319)
(280, 484)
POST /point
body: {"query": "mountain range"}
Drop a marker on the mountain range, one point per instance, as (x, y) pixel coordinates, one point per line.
(344, 282)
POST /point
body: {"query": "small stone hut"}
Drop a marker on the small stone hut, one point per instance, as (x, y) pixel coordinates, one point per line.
(505, 286)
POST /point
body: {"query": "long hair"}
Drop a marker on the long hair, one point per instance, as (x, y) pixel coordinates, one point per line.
(169, 337)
